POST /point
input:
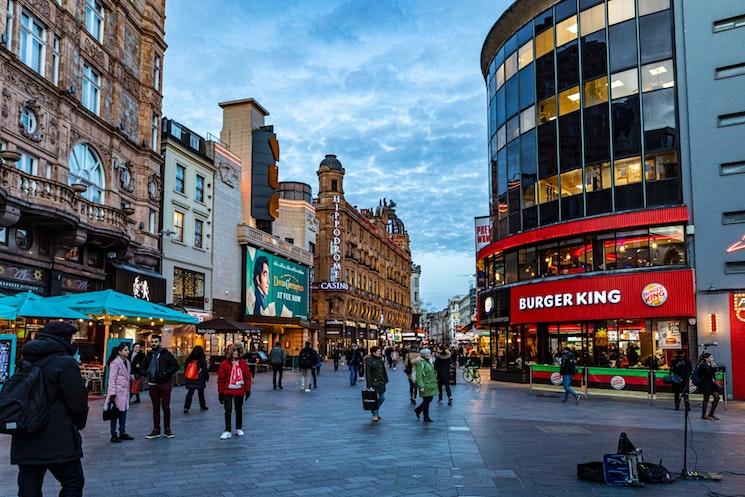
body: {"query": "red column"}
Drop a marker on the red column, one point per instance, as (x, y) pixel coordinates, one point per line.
(737, 341)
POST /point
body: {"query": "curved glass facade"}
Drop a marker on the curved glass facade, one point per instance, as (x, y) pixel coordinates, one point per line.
(582, 114)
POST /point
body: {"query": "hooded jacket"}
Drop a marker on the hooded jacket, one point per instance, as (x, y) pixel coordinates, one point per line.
(426, 379)
(442, 365)
(59, 441)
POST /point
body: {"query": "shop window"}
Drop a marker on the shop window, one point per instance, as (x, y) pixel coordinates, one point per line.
(527, 119)
(544, 43)
(547, 109)
(566, 31)
(544, 77)
(658, 75)
(548, 259)
(597, 177)
(527, 263)
(596, 91)
(567, 60)
(188, 288)
(592, 20)
(594, 55)
(525, 54)
(655, 37)
(527, 86)
(632, 249)
(620, 10)
(548, 190)
(597, 127)
(622, 45)
(652, 6)
(510, 66)
(510, 267)
(572, 257)
(568, 100)
(667, 246)
(660, 129)
(626, 126)
(547, 160)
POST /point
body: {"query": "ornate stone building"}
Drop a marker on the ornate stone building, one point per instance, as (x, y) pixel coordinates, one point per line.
(362, 265)
(80, 97)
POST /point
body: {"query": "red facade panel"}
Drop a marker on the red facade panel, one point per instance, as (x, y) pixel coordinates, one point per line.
(737, 342)
(650, 294)
(649, 217)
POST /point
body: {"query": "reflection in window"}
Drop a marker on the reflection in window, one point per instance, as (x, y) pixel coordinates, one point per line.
(525, 54)
(571, 183)
(566, 31)
(628, 171)
(597, 177)
(547, 110)
(594, 55)
(544, 77)
(501, 137)
(513, 128)
(620, 10)
(567, 65)
(527, 263)
(548, 190)
(626, 126)
(651, 6)
(544, 43)
(528, 195)
(655, 37)
(632, 249)
(548, 259)
(658, 75)
(596, 125)
(592, 20)
(499, 77)
(527, 119)
(661, 166)
(622, 45)
(569, 100)
(667, 246)
(596, 91)
(660, 130)
(510, 66)
(608, 248)
(624, 83)
(572, 257)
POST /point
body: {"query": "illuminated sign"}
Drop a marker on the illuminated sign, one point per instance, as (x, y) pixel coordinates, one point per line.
(482, 232)
(654, 294)
(738, 301)
(570, 299)
(336, 242)
(738, 245)
(141, 289)
(333, 285)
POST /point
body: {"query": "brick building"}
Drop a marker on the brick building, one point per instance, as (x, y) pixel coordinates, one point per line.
(362, 266)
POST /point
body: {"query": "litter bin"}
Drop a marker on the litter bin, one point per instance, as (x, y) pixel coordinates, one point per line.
(453, 373)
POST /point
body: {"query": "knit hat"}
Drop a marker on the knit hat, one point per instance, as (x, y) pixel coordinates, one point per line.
(425, 351)
(61, 329)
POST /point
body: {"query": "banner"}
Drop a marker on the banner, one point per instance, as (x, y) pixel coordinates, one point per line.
(482, 232)
(669, 335)
(275, 286)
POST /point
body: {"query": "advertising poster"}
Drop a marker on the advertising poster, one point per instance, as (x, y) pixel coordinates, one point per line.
(669, 335)
(482, 232)
(7, 357)
(275, 287)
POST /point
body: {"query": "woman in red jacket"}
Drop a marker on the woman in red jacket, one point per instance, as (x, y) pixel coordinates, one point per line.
(233, 385)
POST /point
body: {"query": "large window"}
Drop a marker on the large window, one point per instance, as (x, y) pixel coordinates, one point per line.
(33, 40)
(199, 233)
(188, 288)
(91, 89)
(180, 185)
(86, 168)
(178, 226)
(622, 40)
(655, 37)
(199, 188)
(94, 16)
(28, 164)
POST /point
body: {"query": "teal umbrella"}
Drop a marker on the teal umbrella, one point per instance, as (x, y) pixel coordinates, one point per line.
(30, 305)
(7, 312)
(112, 305)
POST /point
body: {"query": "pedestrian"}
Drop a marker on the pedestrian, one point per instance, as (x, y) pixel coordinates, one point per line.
(680, 374)
(426, 381)
(318, 366)
(137, 359)
(376, 377)
(409, 361)
(233, 386)
(277, 360)
(198, 383)
(354, 361)
(443, 360)
(335, 356)
(307, 362)
(388, 352)
(706, 370)
(567, 370)
(394, 358)
(57, 447)
(118, 389)
(160, 367)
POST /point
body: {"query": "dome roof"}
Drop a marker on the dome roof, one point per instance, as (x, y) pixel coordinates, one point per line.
(331, 162)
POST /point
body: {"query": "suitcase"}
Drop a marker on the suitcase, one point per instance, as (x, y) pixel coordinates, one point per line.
(369, 399)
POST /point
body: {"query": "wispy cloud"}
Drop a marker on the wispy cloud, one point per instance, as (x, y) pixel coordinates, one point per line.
(393, 88)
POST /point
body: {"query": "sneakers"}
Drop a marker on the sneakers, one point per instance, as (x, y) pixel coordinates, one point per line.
(376, 419)
(153, 434)
(124, 436)
(240, 433)
(205, 408)
(280, 387)
(186, 411)
(307, 389)
(225, 435)
(168, 434)
(450, 401)
(115, 439)
(579, 398)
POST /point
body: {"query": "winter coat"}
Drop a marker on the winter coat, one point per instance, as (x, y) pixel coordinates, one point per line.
(683, 368)
(277, 356)
(308, 358)
(706, 374)
(167, 367)
(119, 381)
(442, 366)
(426, 379)
(354, 357)
(202, 377)
(223, 378)
(375, 373)
(136, 363)
(59, 441)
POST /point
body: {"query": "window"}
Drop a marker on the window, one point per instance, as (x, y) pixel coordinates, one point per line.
(734, 267)
(544, 77)
(55, 60)
(592, 20)
(624, 83)
(178, 226)
(499, 77)
(661, 166)
(596, 91)
(594, 55)
(548, 259)
(525, 54)
(527, 86)
(628, 171)
(566, 31)
(194, 141)
(513, 128)
(86, 168)
(199, 233)
(622, 45)
(527, 119)
(569, 101)
(527, 263)
(620, 10)
(547, 110)
(733, 217)
(572, 256)
(156, 72)
(544, 43)
(632, 249)
(180, 179)
(731, 119)
(501, 137)
(729, 23)
(28, 120)
(597, 177)
(154, 132)
(548, 190)
(334, 185)
(667, 246)
(91, 89)
(732, 168)
(571, 183)
(199, 188)
(176, 130)
(94, 18)
(567, 65)
(658, 75)
(188, 288)
(9, 24)
(152, 222)
(290, 240)
(730, 71)
(660, 130)
(33, 40)
(510, 66)
(655, 37)
(651, 6)
(28, 164)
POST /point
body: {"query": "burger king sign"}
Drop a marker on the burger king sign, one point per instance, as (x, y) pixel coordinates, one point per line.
(654, 294)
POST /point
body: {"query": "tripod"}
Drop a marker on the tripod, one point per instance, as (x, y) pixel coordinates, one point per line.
(687, 403)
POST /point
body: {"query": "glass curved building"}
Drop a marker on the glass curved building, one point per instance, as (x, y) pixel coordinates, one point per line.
(591, 140)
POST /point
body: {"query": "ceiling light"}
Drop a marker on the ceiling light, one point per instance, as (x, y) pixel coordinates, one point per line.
(573, 97)
(657, 70)
(669, 84)
(572, 28)
(616, 83)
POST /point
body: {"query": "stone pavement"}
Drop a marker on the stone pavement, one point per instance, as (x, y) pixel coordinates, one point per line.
(497, 440)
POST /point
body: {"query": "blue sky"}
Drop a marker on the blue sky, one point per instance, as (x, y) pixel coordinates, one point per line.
(393, 88)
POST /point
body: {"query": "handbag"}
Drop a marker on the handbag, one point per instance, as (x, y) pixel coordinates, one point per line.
(369, 399)
(110, 411)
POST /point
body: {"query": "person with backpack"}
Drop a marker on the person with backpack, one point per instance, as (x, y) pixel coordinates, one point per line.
(703, 378)
(46, 435)
(136, 361)
(159, 368)
(426, 381)
(277, 360)
(376, 377)
(118, 389)
(443, 360)
(307, 362)
(196, 376)
(567, 370)
(680, 375)
(233, 386)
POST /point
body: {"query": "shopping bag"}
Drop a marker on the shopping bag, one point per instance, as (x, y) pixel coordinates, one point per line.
(369, 399)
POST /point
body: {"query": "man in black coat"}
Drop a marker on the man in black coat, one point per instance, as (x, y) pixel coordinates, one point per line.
(57, 447)
(159, 368)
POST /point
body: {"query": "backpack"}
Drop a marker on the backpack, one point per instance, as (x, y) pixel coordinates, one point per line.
(696, 376)
(192, 371)
(653, 473)
(24, 406)
(569, 365)
(306, 359)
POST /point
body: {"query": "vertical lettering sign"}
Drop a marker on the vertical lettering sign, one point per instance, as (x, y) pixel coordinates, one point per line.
(335, 272)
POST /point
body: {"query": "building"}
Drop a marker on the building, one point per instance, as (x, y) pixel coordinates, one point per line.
(297, 223)
(362, 286)
(437, 325)
(593, 138)
(416, 301)
(188, 202)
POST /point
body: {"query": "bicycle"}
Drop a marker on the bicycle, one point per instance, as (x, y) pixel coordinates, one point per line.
(471, 374)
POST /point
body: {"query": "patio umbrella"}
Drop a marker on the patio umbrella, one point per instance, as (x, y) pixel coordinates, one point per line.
(222, 325)
(7, 312)
(30, 305)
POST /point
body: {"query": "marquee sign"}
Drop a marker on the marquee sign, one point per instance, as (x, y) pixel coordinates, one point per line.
(336, 242)
(333, 286)
(738, 306)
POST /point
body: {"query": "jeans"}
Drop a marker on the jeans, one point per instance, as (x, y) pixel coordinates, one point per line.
(161, 397)
(336, 364)
(315, 374)
(352, 374)
(305, 379)
(277, 368)
(446, 384)
(424, 406)
(566, 382)
(413, 389)
(381, 398)
(228, 401)
(69, 474)
(122, 423)
(190, 396)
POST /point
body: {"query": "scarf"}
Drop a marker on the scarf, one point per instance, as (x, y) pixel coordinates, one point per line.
(236, 376)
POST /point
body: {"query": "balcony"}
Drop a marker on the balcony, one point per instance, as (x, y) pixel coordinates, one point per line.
(257, 238)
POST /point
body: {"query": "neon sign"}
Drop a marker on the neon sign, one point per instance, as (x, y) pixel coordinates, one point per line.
(738, 245)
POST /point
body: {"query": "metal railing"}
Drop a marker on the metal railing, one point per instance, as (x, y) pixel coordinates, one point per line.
(254, 236)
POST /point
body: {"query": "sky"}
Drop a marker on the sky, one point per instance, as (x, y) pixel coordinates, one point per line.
(392, 88)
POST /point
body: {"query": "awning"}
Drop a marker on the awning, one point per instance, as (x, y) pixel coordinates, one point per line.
(221, 325)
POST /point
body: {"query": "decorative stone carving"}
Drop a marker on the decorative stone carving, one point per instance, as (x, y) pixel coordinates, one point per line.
(6, 103)
(228, 173)
(40, 7)
(126, 79)
(92, 50)
(153, 187)
(126, 174)
(36, 135)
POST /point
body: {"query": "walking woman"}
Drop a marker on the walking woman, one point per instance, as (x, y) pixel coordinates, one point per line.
(410, 360)
(233, 385)
(197, 383)
(120, 378)
(137, 359)
(426, 380)
(709, 388)
(376, 377)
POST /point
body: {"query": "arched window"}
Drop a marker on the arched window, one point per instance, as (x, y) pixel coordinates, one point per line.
(85, 167)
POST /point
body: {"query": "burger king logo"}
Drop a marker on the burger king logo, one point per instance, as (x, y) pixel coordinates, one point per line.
(556, 378)
(654, 295)
(617, 383)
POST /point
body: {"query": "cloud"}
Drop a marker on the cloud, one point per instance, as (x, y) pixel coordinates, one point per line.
(393, 88)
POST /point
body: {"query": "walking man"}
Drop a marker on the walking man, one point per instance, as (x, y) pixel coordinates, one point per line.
(160, 367)
(426, 381)
(443, 360)
(57, 446)
(567, 369)
(354, 361)
(277, 360)
(307, 362)
(336, 355)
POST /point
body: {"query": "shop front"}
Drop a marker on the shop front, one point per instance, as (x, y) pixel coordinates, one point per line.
(620, 326)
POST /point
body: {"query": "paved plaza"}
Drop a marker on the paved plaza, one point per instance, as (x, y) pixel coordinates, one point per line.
(496, 440)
